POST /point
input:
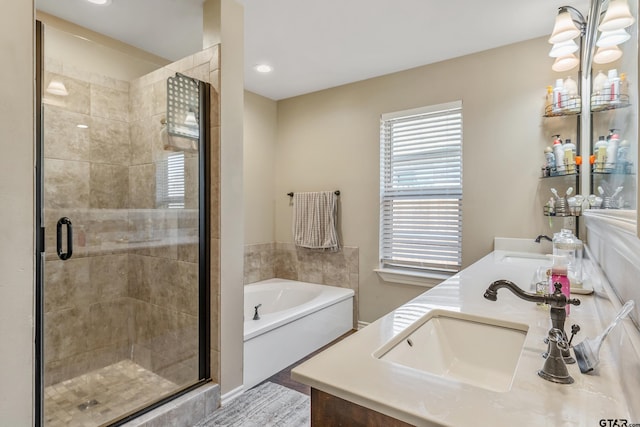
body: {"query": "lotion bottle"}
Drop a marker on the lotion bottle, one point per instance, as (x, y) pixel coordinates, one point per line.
(558, 152)
(572, 98)
(612, 150)
(600, 151)
(614, 86)
(559, 95)
(599, 83)
(570, 155)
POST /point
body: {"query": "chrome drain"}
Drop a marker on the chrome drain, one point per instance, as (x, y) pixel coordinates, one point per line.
(88, 404)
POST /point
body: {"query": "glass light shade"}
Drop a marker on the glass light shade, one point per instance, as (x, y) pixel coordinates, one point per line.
(613, 38)
(565, 63)
(564, 28)
(617, 16)
(563, 48)
(190, 120)
(56, 87)
(604, 55)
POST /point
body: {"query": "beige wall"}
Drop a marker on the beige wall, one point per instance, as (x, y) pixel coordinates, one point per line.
(260, 116)
(17, 221)
(330, 140)
(231, 33)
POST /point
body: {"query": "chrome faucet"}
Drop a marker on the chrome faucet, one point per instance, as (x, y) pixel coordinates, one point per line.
(256, 316)
(557, 354)
(543, 236)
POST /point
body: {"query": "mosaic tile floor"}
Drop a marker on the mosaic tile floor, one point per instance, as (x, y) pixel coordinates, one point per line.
(99, 396)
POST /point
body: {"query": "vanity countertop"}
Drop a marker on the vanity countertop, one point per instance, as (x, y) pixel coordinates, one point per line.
(350, 371)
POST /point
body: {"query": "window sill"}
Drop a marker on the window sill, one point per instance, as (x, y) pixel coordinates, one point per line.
(427, 280)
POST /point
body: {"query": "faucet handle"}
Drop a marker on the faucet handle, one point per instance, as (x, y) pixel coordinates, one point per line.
(557, 336)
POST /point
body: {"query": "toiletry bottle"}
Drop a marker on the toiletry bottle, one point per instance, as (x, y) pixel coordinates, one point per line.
(599, 83)
(558, 151)
(614, 86)
(548, 102)
(564, 261)
(550, 160)
(559, 95)
(569, 155)
(623, 156)
(612, 150)
(571, 89)
(600, 151)
(624, 88)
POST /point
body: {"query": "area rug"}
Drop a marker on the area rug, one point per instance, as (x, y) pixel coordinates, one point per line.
(267, 405)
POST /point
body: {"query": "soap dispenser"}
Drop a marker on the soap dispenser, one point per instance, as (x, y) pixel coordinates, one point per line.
(567, 262)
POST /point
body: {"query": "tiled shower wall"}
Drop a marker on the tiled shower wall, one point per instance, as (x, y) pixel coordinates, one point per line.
(131, 288)
(86, 303)
(286, 261)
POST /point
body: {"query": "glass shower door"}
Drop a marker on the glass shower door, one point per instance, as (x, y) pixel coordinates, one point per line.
(124, 263)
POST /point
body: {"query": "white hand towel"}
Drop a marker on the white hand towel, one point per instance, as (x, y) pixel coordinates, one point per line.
(314, 220)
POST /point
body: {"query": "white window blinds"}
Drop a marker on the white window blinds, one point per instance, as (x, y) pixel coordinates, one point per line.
(421, 188)
(170, 182)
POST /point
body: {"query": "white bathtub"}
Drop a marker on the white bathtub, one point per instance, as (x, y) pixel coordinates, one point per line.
(296, 318)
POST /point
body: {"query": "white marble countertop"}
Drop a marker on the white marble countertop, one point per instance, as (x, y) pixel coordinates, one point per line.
(349, 370)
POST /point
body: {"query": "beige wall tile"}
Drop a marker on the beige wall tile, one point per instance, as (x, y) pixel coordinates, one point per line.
(66, 184)
(142, 187)
(78, 98)
(109, 186)
(63, 139)
(110, 141)
(109, 103)
(66, 284)
(109, 276)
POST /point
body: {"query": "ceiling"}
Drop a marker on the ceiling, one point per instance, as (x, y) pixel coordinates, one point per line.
(314, 45)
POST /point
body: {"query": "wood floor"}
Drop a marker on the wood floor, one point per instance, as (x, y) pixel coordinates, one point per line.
(284, 377)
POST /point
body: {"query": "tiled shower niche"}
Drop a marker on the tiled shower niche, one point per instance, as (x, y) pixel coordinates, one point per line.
(130, 291)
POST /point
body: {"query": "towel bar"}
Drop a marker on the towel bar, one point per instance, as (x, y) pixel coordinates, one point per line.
(337, 193)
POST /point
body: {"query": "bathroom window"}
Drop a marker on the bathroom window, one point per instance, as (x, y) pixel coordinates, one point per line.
(421, 189)
(170, 182)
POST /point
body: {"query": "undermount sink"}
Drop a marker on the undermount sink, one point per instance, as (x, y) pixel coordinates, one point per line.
(471, 349)
(523, 257)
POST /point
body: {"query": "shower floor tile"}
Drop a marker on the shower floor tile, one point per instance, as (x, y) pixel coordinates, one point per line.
(100, 396)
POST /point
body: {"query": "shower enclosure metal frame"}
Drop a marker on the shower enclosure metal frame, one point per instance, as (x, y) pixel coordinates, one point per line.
(204, 252)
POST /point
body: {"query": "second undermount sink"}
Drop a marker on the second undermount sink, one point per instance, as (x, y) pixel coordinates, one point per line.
(523, 257)
(471, 349)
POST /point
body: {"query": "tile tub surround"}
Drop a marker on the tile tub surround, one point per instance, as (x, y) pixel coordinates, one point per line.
(264, 261)
(423, 399)
(127, 293)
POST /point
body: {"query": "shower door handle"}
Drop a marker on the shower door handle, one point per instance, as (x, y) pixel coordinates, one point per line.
(64, 255)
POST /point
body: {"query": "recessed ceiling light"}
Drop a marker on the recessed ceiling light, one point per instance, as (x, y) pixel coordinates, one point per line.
(100, 2)
(263, 68)
(81, 126)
